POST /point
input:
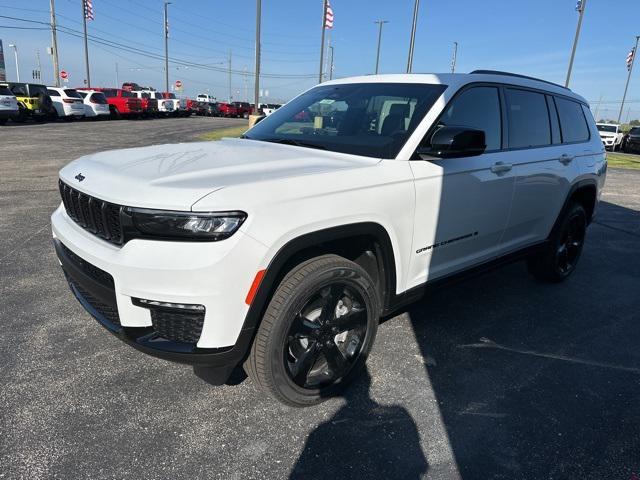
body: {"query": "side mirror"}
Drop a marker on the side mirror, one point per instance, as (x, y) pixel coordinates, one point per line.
(450, 142)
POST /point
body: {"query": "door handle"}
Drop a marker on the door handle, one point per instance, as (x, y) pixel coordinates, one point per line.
(566, 159)
(501, 167)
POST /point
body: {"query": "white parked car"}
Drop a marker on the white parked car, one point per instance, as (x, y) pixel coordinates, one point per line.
(95, 104)
(282, 249)
(206, 98)
(269, 108)
(611, 135)
(8, 104)
(166, 106)
(68, 103)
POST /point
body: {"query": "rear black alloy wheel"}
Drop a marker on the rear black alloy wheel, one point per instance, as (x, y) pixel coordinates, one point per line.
(317, 331)
(560, 256)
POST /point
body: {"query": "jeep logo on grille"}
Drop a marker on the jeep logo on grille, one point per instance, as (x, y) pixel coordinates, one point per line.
(79, 177)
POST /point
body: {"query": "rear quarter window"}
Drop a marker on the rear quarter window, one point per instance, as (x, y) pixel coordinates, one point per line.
(572, 121)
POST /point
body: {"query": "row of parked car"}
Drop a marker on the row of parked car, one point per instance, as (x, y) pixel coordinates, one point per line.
(615, 139)
(22, 101)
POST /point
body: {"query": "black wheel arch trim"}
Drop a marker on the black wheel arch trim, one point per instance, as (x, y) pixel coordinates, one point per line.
(275, 270)
(586, 183)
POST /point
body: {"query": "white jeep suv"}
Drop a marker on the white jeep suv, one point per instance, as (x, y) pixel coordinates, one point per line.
(611, 135)
(282, 249)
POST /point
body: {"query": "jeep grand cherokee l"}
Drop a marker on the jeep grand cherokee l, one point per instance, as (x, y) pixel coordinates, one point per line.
(282, 249)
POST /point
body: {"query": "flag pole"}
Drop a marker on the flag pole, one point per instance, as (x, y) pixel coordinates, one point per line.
(324, 19)
(583, 5)
(412, 40)
(626, 87)
(86, 43)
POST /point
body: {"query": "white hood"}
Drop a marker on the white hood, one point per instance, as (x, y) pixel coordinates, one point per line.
(175, 176)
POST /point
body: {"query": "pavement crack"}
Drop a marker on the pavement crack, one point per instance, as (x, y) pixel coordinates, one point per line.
(486, 343)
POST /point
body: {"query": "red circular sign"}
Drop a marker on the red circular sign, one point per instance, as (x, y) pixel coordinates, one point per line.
(64, 75)
(178, 84)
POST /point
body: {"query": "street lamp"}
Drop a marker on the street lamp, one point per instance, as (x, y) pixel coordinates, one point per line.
(166, 46)
(15, 53)
(380, 24)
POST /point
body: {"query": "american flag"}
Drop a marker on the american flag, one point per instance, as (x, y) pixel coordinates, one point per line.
(88, 10)
(630, 56)
(328, 18)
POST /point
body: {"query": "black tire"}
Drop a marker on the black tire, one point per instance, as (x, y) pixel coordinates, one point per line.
(559, 258)
(306, 350)
(115, 113)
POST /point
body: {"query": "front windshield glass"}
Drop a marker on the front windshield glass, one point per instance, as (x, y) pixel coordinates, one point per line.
(607, 128)
(369, 119)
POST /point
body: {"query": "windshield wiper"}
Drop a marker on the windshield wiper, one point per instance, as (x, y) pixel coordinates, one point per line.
(297, 143)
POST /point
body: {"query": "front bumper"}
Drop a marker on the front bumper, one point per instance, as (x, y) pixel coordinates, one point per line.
(608, 141)
(217, 275)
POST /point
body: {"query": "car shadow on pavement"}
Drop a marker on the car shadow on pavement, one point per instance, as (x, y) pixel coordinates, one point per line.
(363, 440)
(532, 380)
(539, 380)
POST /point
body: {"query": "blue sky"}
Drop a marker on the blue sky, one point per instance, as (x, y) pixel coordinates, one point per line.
(532, 37)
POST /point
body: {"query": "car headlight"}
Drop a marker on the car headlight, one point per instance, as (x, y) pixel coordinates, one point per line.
(170, 225)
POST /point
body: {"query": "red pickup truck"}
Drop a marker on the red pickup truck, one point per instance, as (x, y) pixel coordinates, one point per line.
(121, 103)
(228, 109)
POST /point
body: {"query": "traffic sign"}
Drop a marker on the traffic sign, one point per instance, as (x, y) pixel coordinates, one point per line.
(178, 84)
(64, 75)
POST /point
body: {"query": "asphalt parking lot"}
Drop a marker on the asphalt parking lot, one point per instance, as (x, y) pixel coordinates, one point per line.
(497, 377)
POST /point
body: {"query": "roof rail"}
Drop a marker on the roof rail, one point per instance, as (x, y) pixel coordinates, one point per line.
(508, 74)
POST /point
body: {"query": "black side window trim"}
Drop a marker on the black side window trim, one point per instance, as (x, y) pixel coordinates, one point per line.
(583, 117)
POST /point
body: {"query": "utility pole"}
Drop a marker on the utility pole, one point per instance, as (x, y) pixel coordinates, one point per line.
(166, 47)
(626, 87)
(117, 76)
(246, 85)
(581, 6)
(39, 65)
(324, 20)
(598, 108)
(86, 42)
(412, 41)
(230, 92)
(380, 24)
(455, 57)
(331, 63)
(256, 92)
(15, 54)
(54, 43)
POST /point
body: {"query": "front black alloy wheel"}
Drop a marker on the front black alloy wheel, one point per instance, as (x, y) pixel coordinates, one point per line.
(317, 331)
(326, 336)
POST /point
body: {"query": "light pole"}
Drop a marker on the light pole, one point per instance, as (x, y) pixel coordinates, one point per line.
(581, 6)
(84, 6)
(412, 41)
(454, 58)
(331, 63)
(256, 93)
(626, 87)
(166, 47)
(380, 24)
(15, 53)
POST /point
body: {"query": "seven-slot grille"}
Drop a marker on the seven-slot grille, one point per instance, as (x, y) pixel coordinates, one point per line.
(96, 216)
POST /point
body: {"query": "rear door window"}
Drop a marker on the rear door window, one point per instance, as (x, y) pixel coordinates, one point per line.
(572, 121)
(528, 119)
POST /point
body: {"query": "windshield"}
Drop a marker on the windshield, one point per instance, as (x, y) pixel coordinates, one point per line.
(369, 119)
(607, 128)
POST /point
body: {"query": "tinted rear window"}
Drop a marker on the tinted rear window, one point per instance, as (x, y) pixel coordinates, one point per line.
(528, 119)
(572, 122)
(5, 91)
(53, 93)
(72, 93)
(98, 97)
